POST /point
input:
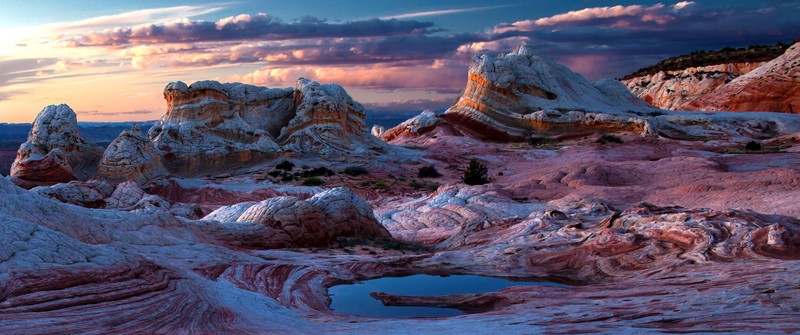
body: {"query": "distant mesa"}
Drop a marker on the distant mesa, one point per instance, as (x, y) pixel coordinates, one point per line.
(759, 79)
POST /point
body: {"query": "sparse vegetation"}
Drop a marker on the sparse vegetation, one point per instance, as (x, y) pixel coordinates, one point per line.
(355, 171)
(317, 172)
(423, 185)
(380, 184)
(275, 173)
(476, 174)
(541, 141)
(428, 172)
(609, 138)
(313, 181)
(753, 53)
(285, 165)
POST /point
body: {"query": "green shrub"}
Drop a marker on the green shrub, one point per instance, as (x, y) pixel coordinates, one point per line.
(428, 172)
(313, 181)
(476, 174)
(380, 184)
(355, 171)
(275, 173)
(285, 165)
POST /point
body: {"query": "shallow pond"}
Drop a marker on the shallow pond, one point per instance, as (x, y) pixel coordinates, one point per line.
(354, 299)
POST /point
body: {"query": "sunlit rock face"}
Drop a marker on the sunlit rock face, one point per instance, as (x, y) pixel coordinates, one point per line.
(55, 150)
(131, 156)
(210, 126)
(420, 124)
(770, 87)
(740, 87)
(523, 92)
(674, 89)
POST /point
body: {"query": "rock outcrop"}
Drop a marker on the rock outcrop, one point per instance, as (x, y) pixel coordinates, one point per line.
(318, 221)
(420, 124)
(771, 87)
(131, 156)
(767, 86)
(210, 126)
(523, 92)
(675, 89)
(55, 150)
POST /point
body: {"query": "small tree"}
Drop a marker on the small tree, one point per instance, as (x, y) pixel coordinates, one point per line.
(476, 173)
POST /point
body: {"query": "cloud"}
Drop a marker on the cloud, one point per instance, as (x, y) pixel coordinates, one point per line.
(245, 27)
(132, 18)
(442, 12)
(439, 76)
(630, 17)
(97, 113)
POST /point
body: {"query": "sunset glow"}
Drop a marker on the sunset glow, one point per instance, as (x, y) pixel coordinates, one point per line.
(110, 63)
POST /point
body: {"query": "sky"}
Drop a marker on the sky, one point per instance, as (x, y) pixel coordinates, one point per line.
(110, 60)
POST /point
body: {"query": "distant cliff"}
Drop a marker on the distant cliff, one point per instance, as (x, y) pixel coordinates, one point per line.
(708, 80)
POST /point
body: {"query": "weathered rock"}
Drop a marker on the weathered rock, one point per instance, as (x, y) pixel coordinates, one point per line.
(523, 92)
(770, 87)
(211, 126)
(327, 121)
(415, 126)
(317, 221)
(131, 156)
(55, 150)
(675, 89)
(90, 194)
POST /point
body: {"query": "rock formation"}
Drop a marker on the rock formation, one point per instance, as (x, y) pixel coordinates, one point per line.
(318, 221)
(131, 156)
(523, 92)
(211, 126)
(770, 87)
(767, 86)
(55, 150)
(674, 89)
(426, 121)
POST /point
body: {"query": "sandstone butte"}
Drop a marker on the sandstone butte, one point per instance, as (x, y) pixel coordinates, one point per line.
(662, 221)
(769, 86)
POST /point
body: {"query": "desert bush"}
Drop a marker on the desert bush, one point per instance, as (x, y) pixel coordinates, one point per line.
(313, 181)
(608, 138)
(428, 172)
(355, 171)
(285, 165)
(752, 146)
(476, 174)
(316, 172)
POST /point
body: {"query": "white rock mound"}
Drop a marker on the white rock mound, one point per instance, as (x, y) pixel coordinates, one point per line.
(55, 150)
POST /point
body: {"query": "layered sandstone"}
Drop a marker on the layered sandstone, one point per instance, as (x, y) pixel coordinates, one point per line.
(677, 88)
(55, 150)
(515, 95)
(211, 126)
(772, 87)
